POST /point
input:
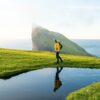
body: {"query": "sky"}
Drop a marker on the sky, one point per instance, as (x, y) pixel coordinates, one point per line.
(76, 19)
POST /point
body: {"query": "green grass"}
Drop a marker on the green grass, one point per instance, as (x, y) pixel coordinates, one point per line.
(13, 62)
(91, 92)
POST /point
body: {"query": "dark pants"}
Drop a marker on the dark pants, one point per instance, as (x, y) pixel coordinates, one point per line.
(59, 69)
(58, 57)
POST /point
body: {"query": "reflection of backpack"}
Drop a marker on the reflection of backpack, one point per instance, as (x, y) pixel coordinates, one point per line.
(61, 46)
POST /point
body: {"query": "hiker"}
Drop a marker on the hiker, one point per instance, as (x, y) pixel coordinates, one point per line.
(57, 83)
(58, 47)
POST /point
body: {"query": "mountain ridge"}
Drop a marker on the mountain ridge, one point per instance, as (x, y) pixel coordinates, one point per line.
(43, 39)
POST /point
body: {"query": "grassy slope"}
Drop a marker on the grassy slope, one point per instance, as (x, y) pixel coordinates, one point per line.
(91, 92)
(17, 61)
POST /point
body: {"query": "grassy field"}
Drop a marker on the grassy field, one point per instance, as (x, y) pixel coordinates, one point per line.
(91, 92)
(14, 62)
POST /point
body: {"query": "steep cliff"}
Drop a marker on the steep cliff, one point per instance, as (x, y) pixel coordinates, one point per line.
(43, 39)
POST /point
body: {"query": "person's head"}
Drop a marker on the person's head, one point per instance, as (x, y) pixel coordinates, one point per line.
(55, 41)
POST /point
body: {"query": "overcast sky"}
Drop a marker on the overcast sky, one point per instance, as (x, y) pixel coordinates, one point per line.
(73, 18)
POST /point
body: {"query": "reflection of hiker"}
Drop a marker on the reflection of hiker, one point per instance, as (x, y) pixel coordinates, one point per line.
(57, 83)
(58, 47)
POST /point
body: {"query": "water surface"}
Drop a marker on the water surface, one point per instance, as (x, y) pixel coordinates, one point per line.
(47, 84)
(90, 45)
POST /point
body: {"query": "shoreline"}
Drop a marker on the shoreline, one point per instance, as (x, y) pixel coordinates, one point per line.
(90, 92)
(14, 62)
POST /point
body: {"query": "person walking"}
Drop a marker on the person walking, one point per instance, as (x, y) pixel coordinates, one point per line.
(57, 48)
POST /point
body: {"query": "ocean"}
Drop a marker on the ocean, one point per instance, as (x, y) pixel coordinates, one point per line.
(91, 46)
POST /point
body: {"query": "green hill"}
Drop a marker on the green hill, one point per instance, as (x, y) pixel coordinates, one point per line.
(43, 39)
(14, 62)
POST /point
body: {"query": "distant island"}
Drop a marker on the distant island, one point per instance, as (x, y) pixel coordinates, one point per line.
(43, 39)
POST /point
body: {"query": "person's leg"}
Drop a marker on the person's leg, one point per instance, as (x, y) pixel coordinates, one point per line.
(59, 69)
(60, 57)
(57, 57)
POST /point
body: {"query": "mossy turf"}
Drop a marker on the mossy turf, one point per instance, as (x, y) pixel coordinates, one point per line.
(91, 92)
(14, 62)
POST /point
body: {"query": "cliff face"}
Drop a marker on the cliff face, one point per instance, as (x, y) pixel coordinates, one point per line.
(43, 39)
